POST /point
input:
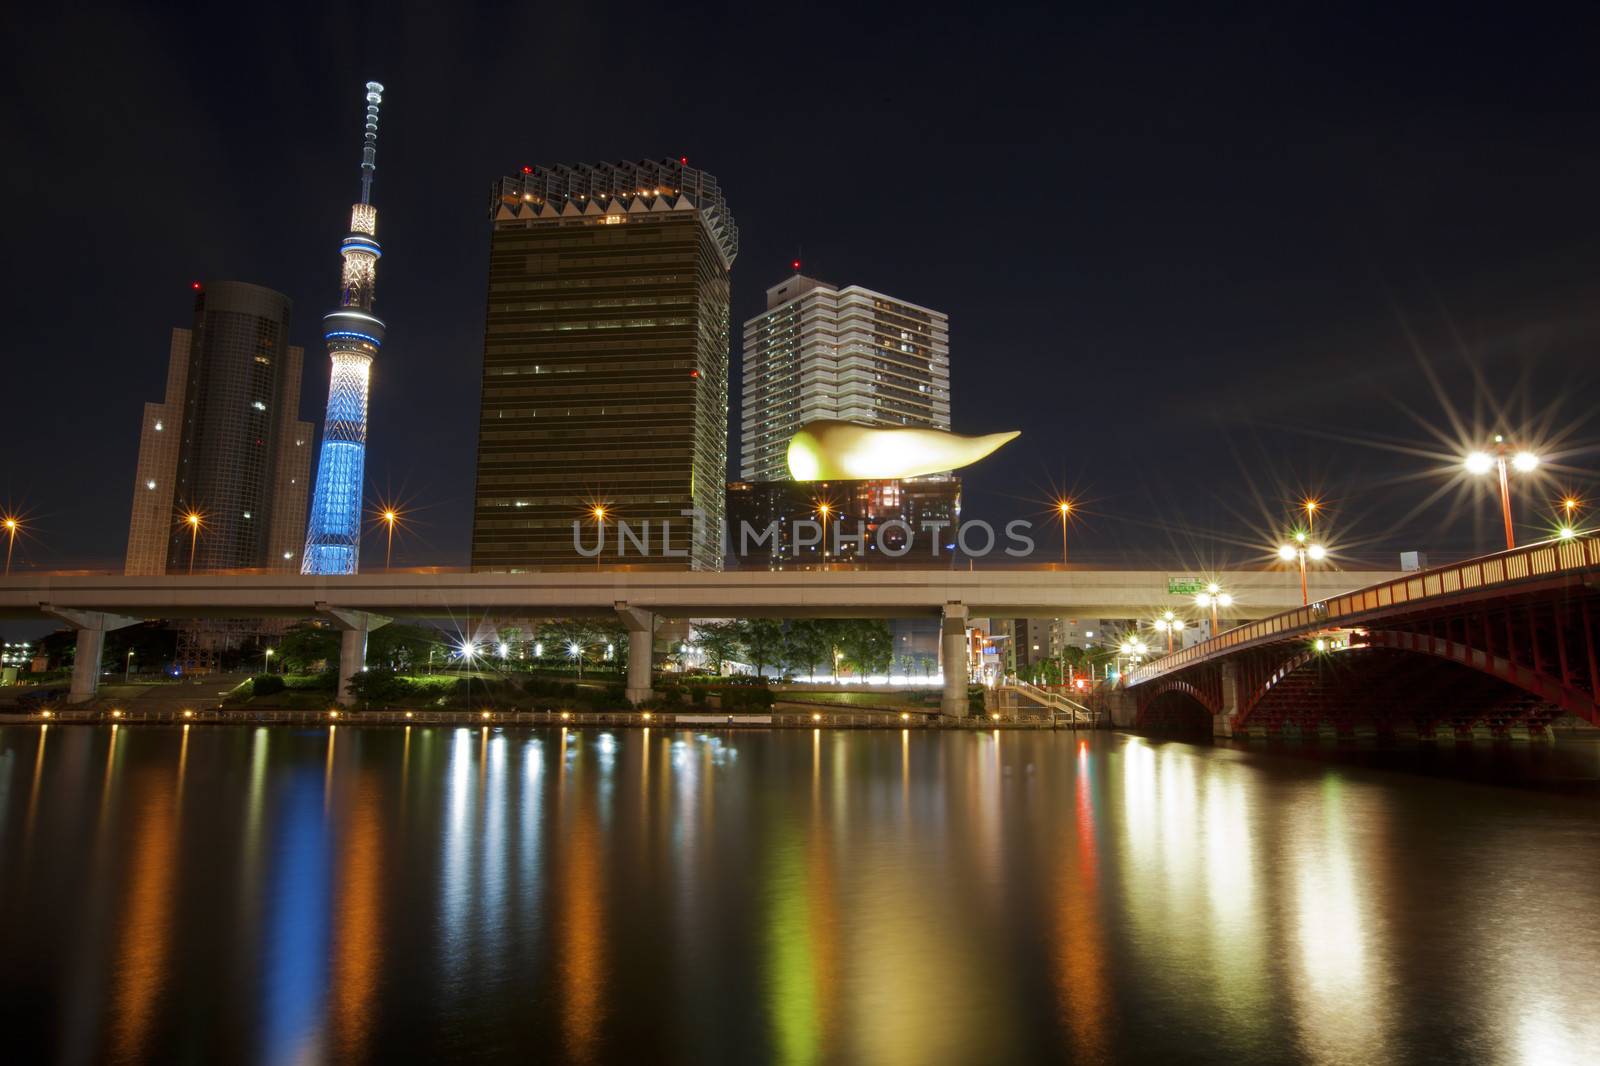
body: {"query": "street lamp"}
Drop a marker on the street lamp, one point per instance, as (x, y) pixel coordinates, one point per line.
(1064, 508)
(1213, 597)
(389, 517)
(1169, 624)
(599, 513)
(824, 509)
(194, 521)
(12, 525)
(575, 652)
(1302, 549)
(266, 661)
(1311, 512)
(1497, 458)
(127, 670)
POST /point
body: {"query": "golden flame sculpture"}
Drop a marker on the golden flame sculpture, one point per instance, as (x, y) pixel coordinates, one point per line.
(829, 450)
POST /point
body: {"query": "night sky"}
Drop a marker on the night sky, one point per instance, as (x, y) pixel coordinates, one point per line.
(1205, 264)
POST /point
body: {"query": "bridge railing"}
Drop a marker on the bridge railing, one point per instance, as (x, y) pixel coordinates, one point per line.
(1520, 564)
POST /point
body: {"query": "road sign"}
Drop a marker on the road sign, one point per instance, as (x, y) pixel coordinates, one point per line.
(1184, 586)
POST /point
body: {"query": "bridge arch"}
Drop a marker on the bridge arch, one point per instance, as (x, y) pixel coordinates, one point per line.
(1377, 689)
(1176, 706)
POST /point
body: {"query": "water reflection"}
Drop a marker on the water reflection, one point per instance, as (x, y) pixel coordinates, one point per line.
(280, 896)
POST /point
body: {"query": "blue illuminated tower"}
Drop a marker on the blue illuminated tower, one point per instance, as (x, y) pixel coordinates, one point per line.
(354, 335)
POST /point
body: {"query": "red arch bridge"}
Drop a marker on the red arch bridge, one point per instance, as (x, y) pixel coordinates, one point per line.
(1500, 646)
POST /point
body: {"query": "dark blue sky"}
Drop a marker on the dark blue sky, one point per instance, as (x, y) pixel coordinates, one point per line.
(1204, 263)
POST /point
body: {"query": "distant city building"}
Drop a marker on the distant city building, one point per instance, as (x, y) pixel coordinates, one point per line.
(353, 335)
(821, 352)
(930, 510)
(605, 363)
(225, 443)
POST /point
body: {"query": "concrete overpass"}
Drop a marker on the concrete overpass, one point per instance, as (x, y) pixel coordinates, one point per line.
(94, 604)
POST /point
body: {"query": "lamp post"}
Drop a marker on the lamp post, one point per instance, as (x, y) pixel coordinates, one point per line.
(1213, 597)
(823, 509)
(1064, 508)
(1311, 512)
(1302, 549)
(599, 513)
(127, 669)
(12, 525)
(1169, 624)
(266, 661)
(1498, 458)
(389, 516)
(193, 520)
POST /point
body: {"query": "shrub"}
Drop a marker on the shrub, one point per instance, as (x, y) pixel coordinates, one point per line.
(379, 687)
(697, 695)
(266, 684)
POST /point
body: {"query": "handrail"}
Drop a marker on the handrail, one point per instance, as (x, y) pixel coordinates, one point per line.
(1520, 564)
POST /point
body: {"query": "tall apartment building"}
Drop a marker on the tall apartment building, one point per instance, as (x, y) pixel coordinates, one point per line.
(852, 354)
(605, 363)
(225, 443)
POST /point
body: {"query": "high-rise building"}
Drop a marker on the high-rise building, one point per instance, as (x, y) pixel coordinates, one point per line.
(895, 522)
(852, 354)
(354, 335)
(605, 363)
(225, 444)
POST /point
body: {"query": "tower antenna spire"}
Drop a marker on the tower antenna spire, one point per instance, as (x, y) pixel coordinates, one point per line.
(369, 141)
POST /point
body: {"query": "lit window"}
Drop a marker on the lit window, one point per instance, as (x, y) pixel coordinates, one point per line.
(158, 425)
(259, 406)
(247, 514)
(150, 484)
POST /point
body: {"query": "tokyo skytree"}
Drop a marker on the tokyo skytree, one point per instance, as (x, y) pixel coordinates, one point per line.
(353, 335)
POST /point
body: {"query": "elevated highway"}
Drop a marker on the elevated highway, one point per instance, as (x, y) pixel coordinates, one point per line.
(93, 604)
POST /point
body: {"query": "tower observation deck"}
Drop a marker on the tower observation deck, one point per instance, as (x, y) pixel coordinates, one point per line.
(353, 335)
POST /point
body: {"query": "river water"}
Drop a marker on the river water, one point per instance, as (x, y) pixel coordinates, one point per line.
(229, 894)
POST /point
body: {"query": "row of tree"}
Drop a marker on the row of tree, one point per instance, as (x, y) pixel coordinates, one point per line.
(811, 646)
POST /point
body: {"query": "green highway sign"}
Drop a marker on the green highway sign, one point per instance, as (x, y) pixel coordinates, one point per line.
(1184, 586)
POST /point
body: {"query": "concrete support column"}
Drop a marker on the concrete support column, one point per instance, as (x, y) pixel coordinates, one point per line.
(86, 665)
(641, 627)
(92, 627)
(953, 652)
(355, 625)
(1222, 724)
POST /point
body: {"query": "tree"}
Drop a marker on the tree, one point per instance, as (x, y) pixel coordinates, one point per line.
(763, 641)
(867, 644)
(718, 642)
(401, 647)
(306, 644)
(807, 642)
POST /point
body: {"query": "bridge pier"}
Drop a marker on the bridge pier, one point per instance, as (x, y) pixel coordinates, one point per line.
(953, 652)
(1222, 723)
(354, 627)
(92, 627)
(641, 627)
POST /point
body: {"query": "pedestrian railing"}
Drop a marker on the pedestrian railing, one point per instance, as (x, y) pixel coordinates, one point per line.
(1544, 559)
(635, 719)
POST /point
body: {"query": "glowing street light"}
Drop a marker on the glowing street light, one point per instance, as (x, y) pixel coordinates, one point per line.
(1213, 597)
(266, 661)
(1169, 624)
(575, 653)
(1302, 549)
(1064, 508)
(599, 513)
(1311, 507)
(823, 510)
(12, 525)
(388, 517)
(1498, 458)
(194, 520)
(127, 670)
